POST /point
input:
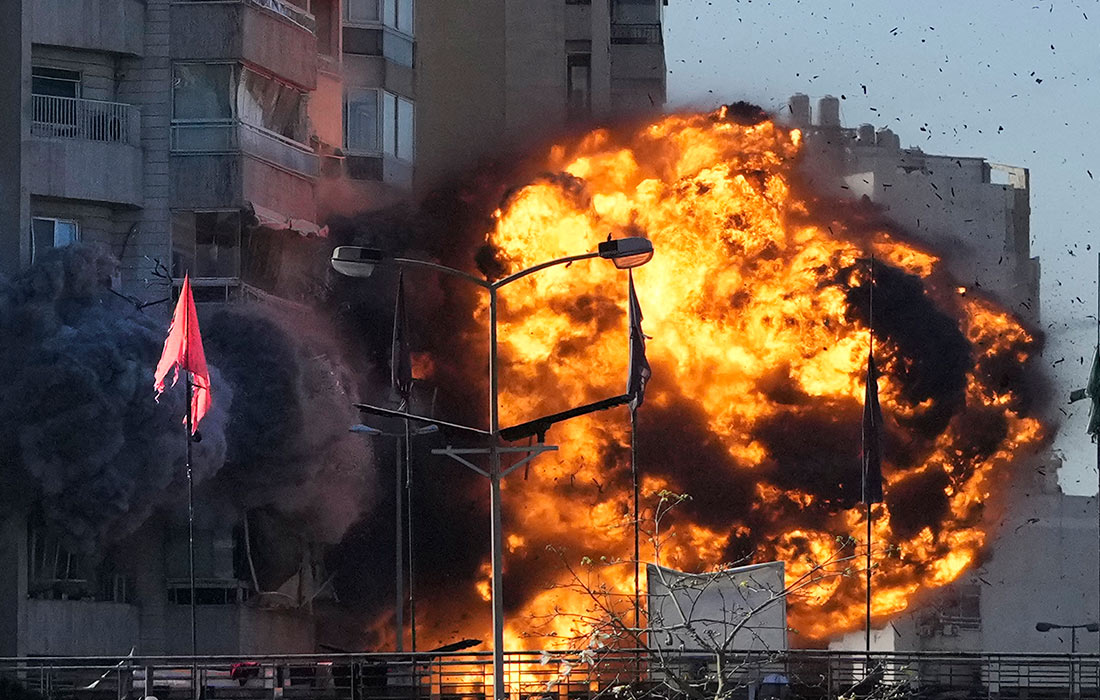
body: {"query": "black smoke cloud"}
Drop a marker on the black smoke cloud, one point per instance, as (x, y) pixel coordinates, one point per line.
(82, 439)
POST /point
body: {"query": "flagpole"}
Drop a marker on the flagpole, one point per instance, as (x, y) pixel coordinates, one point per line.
(637, 539)
(867, 500)
(409, 518)
(399, 567)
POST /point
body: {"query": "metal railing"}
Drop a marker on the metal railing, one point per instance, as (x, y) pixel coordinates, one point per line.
(225, 136)
(553, 676)
(75, 118)
(636, 34)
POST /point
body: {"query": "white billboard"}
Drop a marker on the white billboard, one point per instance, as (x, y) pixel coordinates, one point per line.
(743, 608)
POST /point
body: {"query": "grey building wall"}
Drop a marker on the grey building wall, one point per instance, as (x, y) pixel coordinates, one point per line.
(14, 132)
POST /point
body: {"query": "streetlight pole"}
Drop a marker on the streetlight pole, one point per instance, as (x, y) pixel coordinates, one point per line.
(625, 253)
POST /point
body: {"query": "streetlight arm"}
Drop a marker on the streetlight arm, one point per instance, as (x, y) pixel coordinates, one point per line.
(412, 262)
(542, 266)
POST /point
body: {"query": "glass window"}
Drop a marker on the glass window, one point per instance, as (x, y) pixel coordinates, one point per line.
(270, 105)
(636, 11)
(361, 11)
(579, 80)
(55, 82)
(362, 121)
(48, 233)
(405, 120)
(202, 91)
(397, 48)
(206, 243)
(389, 123)
(399, 15)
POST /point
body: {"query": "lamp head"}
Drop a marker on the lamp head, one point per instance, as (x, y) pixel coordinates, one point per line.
(627, 253)
(1093, 627)
(430, 428)
(364, 429)
(355, 261)
(1043, 627)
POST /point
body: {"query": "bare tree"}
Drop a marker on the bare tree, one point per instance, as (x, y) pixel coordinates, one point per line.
(715, 635)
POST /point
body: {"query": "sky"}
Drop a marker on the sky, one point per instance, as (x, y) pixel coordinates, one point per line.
(1013, 82)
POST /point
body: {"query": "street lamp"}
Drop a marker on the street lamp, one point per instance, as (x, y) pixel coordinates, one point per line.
(354, 261)
(399, 566)
(1087, 626)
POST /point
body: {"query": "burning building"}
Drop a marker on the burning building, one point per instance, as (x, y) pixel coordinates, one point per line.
(214, 138)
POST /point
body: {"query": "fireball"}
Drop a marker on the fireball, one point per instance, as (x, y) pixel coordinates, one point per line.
(758, 304)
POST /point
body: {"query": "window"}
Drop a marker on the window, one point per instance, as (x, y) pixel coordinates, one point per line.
(397, 126)
(361, 121)
(636, 12)
(579, 84)
(270, 105)
(324, 12)
(202, 91)
(206, 244)
(377, 120)
(361, 11)
(55, 82)
(399, 15)
(48, 233)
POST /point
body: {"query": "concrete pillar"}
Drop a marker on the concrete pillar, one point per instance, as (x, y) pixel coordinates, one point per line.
(15, 53)
(13, 584)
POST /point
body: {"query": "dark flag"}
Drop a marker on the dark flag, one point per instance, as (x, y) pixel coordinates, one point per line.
(639, 366)
(1093, 391)
(872, 438)
(400, 356)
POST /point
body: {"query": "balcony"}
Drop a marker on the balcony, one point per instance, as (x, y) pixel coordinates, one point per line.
(74, 142)
(271, 34)
(116, 26)
(232, 136)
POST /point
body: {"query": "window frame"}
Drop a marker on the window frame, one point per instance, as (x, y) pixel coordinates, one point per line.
(195, 276)
(55, 220)
(78, 83)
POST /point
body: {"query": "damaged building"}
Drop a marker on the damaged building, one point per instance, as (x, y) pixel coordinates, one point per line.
(215, 139)
(1041, 560)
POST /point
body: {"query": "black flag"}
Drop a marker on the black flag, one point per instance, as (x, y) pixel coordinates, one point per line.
(872, 438)
(400, 357)
(639, 365)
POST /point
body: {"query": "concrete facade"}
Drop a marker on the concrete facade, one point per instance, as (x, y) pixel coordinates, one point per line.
(977, 209)
(133, 123)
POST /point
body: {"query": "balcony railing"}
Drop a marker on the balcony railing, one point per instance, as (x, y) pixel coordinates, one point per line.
(807, 674)
(228, 136)
(74, 118)
(636, 33)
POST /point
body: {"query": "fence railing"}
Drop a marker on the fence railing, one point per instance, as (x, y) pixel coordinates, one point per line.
(813, 675)
(75, 118)
(636, 33)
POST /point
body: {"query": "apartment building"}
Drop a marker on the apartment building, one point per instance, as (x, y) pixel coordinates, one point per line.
(214, 137)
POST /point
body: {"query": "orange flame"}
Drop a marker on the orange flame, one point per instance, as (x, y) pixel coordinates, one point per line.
(749, 304)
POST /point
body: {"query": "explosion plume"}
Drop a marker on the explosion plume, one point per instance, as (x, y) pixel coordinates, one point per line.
(757, 304)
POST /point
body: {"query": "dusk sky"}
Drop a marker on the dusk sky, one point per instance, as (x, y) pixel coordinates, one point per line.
(1013, 82)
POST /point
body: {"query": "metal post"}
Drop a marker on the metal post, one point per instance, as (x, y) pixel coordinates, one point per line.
(409, 518)
(399, 565)
(495, 506)
(637, 539)
(190, 515)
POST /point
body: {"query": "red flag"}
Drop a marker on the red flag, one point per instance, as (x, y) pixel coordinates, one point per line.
(183, 350)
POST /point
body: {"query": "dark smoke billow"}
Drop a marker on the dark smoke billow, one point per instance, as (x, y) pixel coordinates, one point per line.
(82, 439)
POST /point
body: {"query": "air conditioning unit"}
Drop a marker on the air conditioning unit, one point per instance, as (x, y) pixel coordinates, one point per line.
(951, 630)
(925, 630)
